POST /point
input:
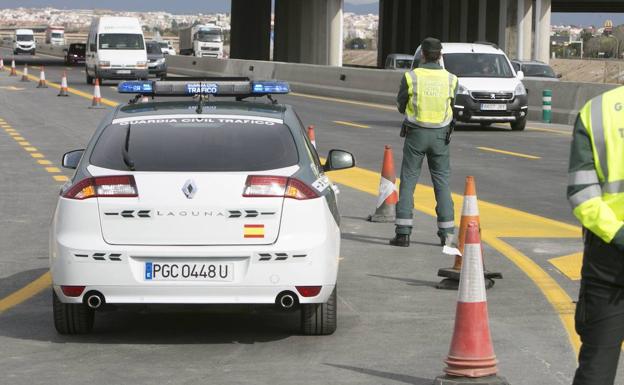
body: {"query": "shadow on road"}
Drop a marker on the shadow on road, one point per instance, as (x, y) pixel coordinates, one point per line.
(479, 128)
(404, 378)
(409, 281)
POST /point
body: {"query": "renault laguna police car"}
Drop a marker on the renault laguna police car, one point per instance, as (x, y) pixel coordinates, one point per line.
(198, 201)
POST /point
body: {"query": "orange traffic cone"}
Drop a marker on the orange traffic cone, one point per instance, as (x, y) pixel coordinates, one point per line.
(312, 135)
(96, 102)
(144, 99)
(471, 354)
(25, 73)
(13, 71)
(388, 197)
(63, 90)
(470, 213)
(42, 79)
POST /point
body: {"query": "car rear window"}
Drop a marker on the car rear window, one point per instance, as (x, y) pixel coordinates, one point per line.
(197, 145)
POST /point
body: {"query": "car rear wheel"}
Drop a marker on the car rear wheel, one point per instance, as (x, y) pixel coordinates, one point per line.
(519, 125)
(318, 319)
(71, 318)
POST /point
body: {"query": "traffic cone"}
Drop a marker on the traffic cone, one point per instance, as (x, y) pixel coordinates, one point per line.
(25, 73)
(1, 64)
(471, 354)
(42, 79)
(470, 213)
(388, 197)
(13, 71)
(63, 90)
(144, 99)
(96, 102)
(312, 135)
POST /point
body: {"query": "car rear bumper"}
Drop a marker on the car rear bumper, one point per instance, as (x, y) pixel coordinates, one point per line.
(113, 73)
(469, 110)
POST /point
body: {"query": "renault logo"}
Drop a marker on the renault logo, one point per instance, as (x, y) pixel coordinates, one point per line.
(189, 189)
(493, 96)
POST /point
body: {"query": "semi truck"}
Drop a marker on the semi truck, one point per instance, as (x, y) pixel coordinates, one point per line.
(55, 35)
(202, 40)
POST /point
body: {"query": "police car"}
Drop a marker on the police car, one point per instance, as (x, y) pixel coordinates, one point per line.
(198, 201)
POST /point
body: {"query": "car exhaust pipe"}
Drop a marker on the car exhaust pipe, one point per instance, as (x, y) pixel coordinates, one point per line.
(286, 300)
(95, 300)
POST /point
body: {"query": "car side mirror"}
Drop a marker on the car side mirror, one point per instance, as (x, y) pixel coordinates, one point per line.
(520, 75)
(72, 158)
(338, 160)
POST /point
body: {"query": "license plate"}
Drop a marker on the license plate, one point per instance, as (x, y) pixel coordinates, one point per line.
(162, 271)
(493, 107)
(124, 72)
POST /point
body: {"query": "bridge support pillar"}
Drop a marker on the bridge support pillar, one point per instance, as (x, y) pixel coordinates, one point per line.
(542, 30)
(308, 31)
(250, 35)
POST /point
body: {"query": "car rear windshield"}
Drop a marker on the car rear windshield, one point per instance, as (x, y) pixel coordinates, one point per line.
(153, 48)
(477, 65)
(197, 145)
(77, 48)
(403, 63)
(130, 41)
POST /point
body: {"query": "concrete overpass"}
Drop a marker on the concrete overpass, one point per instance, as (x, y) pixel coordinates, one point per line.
(310, 31)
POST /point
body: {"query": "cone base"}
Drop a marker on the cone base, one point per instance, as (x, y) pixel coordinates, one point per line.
(62, 94)
(453, 284)
(381, 218)
(454, 274)
(42, 86)
(383, 214)
(451, 380)
(24, 79)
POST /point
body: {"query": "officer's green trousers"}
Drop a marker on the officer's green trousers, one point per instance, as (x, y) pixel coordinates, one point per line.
(429, 142)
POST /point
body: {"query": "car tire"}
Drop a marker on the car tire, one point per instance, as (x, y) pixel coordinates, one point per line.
(71, 318)
(320, 319)
(519, 125)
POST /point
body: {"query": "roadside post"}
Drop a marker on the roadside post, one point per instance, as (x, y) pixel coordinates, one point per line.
(547, 106)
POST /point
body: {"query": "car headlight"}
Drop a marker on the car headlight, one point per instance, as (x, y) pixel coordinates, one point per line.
(461, 90)
(520, 90)
(141, 64)
(104, 63)
(160, 61)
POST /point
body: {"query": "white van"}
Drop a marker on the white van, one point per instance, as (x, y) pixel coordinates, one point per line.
(489, 90)
(115, 49)
(24, 42)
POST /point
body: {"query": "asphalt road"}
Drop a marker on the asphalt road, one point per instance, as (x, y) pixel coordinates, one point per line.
(394, 326)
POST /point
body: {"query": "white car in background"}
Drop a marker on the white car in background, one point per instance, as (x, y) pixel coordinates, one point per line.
(166, 47)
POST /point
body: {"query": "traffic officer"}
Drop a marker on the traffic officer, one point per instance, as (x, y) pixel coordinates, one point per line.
(596, 193)
(426, 98)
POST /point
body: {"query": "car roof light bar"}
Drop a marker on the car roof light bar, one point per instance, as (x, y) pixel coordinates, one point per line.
(236, 87)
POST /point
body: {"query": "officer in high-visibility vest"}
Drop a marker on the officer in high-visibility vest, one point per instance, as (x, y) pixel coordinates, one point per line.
(596, 193)
(426, 98)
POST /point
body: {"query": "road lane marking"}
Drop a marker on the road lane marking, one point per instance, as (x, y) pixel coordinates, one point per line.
(498, 222)
(60, 178)
(44, 162)
(569, 265)
(23, 143)
(350, 124)
(53, 169)
(31, 149)
(27, 292)
(489, 149)
(551, 130)
(37, 155)
(18, 138)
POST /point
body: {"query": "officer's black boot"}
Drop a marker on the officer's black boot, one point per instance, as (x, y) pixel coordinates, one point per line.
(401, 240)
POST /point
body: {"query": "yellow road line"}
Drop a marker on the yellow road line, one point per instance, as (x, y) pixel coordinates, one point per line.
(345, 101)
(53, 169)
(60, 178)
(569, 265)
(28, 291)
(31, 149)
(18, 137)
(508, 153)
(23, 143)
(44, 162)
(560, 132)
(37, 155)
(351, 124)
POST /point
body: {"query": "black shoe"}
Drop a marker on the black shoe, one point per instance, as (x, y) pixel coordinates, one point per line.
(401, 240)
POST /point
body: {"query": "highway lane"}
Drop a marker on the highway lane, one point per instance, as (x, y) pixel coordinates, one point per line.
(532, 185)
(395, 328)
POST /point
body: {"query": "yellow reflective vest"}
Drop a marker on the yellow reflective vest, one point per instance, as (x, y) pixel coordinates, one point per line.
(430, 94)
(596, 189)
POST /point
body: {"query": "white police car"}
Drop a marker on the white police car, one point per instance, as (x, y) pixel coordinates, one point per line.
(197, 202)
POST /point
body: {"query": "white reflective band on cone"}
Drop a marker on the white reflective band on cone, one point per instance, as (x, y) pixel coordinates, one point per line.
(471, 282)
(386, 188)
(470, 207)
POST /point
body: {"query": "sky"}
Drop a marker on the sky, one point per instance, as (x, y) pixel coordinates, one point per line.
(207, 6)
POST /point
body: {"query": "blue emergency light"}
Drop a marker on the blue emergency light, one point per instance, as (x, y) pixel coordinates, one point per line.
(237, 87)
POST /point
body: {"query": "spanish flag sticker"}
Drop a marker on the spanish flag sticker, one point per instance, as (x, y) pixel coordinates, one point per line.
(254, 231)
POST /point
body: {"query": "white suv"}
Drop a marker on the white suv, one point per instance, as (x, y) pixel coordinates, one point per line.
(490, 90)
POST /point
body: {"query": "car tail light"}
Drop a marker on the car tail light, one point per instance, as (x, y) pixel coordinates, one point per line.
(72, 291)
(258, 186)
(309, 291)
(118, 186)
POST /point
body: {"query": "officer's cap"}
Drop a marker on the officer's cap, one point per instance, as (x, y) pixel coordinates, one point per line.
(431, 44)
